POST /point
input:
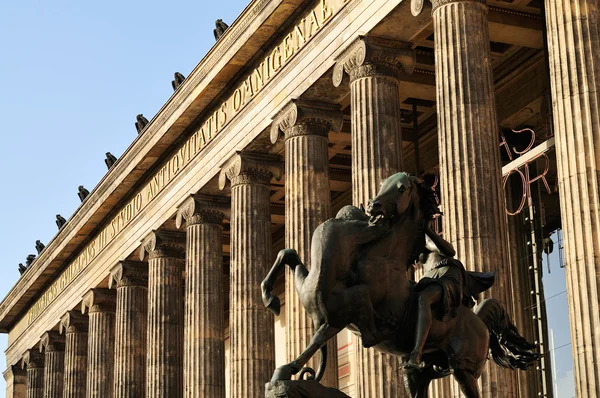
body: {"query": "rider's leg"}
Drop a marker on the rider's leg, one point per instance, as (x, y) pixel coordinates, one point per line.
(427, 298)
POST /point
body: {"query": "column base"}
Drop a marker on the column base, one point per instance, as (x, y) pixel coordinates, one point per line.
(300, 389)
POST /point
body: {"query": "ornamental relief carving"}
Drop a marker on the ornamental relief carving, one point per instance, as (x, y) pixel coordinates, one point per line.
(301, 117)
(129, 273)
(390, 55)
(52, 341)
(203, 209)
(251, 168)
(161, 244)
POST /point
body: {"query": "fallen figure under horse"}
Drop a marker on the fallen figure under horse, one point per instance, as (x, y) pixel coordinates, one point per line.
(359, 280)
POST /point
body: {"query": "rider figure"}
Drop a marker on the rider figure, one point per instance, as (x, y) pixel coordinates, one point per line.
(444, 283)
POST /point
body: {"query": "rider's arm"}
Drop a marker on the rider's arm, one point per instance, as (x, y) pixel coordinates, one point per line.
(444, 246)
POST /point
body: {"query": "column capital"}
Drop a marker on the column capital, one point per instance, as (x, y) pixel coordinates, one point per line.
(251, 168)
(161, 243)
(14, 371)
(52, 341)
(326, 117)
(32, 359)
(373, 56)
(203, 209)
(129, 273)
(438, 3)
(99, 300)
(73, 322)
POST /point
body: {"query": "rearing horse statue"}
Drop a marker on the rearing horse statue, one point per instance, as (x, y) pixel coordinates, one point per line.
(359, 280)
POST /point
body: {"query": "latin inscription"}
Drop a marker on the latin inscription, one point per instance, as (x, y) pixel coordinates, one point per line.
(302, 32)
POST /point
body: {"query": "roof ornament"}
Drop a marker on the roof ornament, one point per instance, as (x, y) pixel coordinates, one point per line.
(179, 78)
(221, 28)
(39, 246)
(60, 221)
(83, 193)
(22, 268)
(141, 123)
(110, 160)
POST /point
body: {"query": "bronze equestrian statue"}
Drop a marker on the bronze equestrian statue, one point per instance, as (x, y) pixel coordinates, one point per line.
(359, 279)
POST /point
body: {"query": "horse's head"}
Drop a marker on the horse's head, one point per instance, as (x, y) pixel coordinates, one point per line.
(396, 195)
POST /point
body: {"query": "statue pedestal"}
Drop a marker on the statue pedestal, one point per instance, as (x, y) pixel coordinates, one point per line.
(300, 389)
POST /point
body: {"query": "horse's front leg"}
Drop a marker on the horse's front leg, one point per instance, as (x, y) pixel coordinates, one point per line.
(320, 338)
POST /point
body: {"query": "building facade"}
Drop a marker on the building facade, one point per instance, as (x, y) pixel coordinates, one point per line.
(152, 287)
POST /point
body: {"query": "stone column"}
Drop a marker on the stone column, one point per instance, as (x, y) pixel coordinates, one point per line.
(33, 360)
(74, 326)
(16, 381)
(100, 306)
(52, 345)
(164, 372)
(374, 66)
(306, 127)
(130, 279)
(204, 340)
(574, 52)
(470, 170)
(251, 326)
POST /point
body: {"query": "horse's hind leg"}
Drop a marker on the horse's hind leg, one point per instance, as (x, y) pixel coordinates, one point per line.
(286, 256)
(468, 383)
(320, 338)
(417, 382)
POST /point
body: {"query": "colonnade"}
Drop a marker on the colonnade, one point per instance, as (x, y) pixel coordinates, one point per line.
(158, 330)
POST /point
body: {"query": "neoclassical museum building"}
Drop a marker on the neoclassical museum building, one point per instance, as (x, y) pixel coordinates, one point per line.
(152, 287)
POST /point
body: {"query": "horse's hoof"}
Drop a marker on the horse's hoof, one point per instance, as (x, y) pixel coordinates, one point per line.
(273, 304)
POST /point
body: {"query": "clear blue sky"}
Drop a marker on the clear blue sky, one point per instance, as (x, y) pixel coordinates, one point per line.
(73, 75)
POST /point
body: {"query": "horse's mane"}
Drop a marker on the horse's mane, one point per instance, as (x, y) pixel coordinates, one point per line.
(429, 199)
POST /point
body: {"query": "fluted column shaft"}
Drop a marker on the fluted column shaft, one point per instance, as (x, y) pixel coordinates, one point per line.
(470, 170)
(52, 344)
(204, 344)
(35, 382)
(306, 127)
(251, 326)
(53, 374)
(131, 282)
(376, 129)
(75, 327)
(574, 52)
(100, 304)
(164, 372)
(34, 362)
(308, 204)
(376, 154)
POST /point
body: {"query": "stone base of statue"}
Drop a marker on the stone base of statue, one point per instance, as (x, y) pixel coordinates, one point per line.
(301, 389)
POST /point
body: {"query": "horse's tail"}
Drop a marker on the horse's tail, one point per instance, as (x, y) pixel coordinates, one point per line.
(320, 371)
(508, 348)
(285, 257)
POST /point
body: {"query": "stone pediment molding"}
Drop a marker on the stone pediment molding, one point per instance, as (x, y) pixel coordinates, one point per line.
(129, 273)
(389, 55)
(203, 209)
(32, 359)
(299, 111)
(73, 321)
(251, 168)
(52, 341)
(99, 300)
(161, 243)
